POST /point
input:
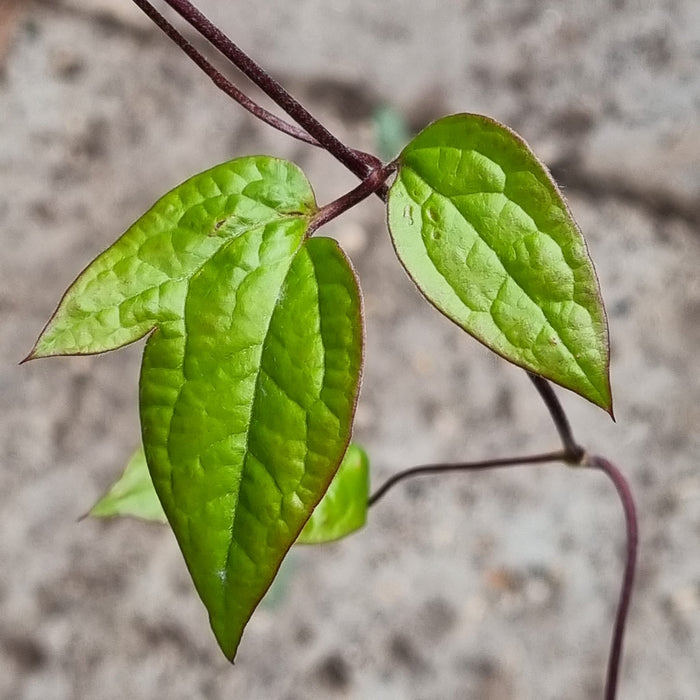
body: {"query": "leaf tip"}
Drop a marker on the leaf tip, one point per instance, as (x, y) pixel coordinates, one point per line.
(39, 349)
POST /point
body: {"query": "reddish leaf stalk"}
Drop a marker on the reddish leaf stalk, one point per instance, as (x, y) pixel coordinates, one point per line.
(370, 185)
(574, 452)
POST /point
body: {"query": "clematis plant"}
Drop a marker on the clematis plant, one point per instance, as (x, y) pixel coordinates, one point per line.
(255, 331)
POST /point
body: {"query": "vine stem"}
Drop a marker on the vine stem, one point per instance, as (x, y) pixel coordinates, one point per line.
(220, 80)
(429, 469)
(359, 163)
(627, 499)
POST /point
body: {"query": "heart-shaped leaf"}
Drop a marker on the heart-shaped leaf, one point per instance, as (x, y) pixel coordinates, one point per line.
(343, 508)
(250, 378)
(484, 232)
(246, 409)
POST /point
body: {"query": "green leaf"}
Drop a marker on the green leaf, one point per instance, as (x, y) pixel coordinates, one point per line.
(343, 509)
(246, 409)
(132, 494)
(483, 231)
(142, 279)
(250, 377)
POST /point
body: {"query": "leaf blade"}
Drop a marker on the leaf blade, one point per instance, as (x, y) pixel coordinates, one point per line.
(263, 447)
(141, 280)
(485, 234)
(343, 508)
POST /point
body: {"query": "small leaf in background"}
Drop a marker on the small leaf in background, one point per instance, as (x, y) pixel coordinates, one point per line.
(343, 508)
(132, 494)
(391, 132)
(483, 231)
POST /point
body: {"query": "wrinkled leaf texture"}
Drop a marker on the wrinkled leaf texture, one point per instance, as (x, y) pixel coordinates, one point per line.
(250, 374)
(484, 232)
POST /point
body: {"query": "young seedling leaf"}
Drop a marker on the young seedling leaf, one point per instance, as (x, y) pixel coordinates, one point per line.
(484, 232)
(246, 408)
(250, 377)
(343, 508)
(132, 494)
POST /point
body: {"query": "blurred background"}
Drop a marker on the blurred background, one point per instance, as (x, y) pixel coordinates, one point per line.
(492, 586)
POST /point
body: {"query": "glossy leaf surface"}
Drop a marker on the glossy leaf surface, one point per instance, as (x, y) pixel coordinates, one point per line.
(246, 409)
(132, 494)
(343, 508)
(142, 279)
(482, 229)
(251, 374)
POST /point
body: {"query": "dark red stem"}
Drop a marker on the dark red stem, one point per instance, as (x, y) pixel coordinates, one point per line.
(375, 181)
(574, 451)
(627, 499)
(220, 80)
(429, 469)
(361, 164)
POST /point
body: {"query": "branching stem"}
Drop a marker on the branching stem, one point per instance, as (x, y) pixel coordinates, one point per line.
(375, 181)
(220, 80)
(361, 164)
(431, 469)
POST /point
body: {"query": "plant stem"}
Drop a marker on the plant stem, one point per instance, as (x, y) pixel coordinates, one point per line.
(627, 500)
(373, 182)
(574, 451)
(361, 164)
(429, 469)
(220, 80)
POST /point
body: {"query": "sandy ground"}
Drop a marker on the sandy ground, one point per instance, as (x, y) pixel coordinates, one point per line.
(492, 586)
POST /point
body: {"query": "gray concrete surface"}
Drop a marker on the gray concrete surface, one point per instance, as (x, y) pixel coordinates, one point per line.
(492, 586)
